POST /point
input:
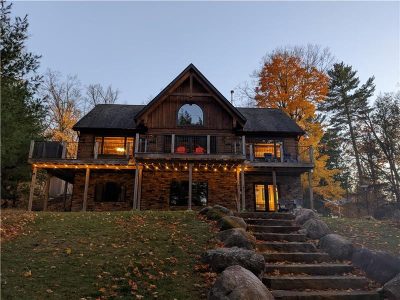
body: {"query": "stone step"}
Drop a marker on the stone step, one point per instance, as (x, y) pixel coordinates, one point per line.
(265, 215)
(299, 257)
(290, 237)
(315, 282)
(309, 269)
(269, 222)
(325, 295)
(273, 229)
(286, 247)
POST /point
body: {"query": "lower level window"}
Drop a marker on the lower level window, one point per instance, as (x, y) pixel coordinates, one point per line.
(179, 193)
(264, 194)
(109, 192)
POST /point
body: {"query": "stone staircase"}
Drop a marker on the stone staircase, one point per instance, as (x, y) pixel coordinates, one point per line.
(296, 269)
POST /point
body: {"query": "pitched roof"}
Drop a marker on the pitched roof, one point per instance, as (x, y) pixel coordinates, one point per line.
(110, 116)
(118, 116)
(192, 68)
(269, 120)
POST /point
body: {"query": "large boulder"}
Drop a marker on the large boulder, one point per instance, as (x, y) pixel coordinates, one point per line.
(237, 283)
(379, 266)
(336, 246)
(304, 214)
(316, 228)
(217, 212)
(221, 258)
(229, 222)
(205, 210)
(391, 289)
(237, 237)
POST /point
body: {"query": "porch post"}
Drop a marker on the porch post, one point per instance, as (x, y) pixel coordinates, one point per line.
(310, 189)
(243, 188)
(135, 187)
(238, 189)
(208, 144)
(32, 188)
(243, 145)
(274, 187)
(46, 192)
(65, 194)
(139, 193)
(85, 193)
(137, 137)
(190, 186)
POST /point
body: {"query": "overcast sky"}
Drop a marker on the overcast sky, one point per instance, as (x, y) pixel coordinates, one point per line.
(140, 47)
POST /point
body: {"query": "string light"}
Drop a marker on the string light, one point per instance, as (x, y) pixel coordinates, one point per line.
(176, 169)
(215, 170)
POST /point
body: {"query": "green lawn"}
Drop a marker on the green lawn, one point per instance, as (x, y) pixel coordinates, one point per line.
(106, 255)
(373, 234)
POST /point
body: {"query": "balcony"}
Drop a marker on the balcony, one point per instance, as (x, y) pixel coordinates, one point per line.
(80, 152)
(185, 147)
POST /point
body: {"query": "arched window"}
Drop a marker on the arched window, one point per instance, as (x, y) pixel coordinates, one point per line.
(190, 114)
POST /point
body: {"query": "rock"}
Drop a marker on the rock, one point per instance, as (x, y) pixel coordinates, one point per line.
(304, 214)
(336, 246)
(221, 258)
(204, 210)
(229, 222)
(391, 289)
(237, 283)
(379, 266)
(303, 231)
(217, 212)
(237, 237)
(316, 228)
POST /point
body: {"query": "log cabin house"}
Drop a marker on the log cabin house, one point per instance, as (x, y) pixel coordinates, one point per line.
(188, 148)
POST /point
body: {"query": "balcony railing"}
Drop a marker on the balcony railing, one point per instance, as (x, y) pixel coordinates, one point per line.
(279, 153)
(51, 150)
(190, 145)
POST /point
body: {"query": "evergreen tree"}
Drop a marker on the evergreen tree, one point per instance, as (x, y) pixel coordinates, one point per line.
(22, 113)
(346, 103)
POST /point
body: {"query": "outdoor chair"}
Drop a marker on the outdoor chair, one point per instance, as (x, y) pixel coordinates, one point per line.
(181, 149)
(268, 157)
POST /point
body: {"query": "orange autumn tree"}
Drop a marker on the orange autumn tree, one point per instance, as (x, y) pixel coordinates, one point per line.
(285, 83)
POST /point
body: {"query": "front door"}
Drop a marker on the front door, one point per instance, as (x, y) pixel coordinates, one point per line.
(264, 195)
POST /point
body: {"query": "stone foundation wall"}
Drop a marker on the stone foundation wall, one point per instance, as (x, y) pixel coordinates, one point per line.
(156, 188)
(124, 178)
(289, 188)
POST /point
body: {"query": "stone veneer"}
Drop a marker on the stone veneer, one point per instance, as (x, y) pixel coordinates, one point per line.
(156, 188)
(125, 178)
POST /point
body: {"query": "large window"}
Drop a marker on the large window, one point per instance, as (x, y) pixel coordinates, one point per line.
(264, 196)
(179, 193)
(190, 114)
(114, 146)
(269, 150)
(109, 192)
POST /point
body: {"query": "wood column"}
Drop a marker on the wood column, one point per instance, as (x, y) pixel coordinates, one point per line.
(46, 192)
(190, 186)
(275, 189)
(238, 189)
(139, 193)
(135, 188)
(85, 193)
(243, 187)
(65, 194)
(32, 188)
(310, 189)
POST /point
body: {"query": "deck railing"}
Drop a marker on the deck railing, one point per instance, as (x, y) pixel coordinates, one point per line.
(279, 153)
(187, 144)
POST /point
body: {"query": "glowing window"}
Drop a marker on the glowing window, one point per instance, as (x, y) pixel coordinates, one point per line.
(114, 145)
(190, 114)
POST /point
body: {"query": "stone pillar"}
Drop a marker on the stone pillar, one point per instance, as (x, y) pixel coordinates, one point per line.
(135, 188)
(243, 187)
(275, 189)
(46, 192)
(310, 189)
(190, 186)
(238, 188)
(139, 191)
(85, 193)
(32, 188)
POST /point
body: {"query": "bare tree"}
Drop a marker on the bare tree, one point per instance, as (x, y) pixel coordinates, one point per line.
(96, 94)
(63, 98)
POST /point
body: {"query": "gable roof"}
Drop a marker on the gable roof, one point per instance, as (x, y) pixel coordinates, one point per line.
(110, 116)
(191, 68)
(269, 120)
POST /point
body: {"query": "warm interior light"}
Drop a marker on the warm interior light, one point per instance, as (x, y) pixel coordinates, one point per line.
(120, 149)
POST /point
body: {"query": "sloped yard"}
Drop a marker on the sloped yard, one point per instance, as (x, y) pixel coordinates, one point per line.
(105, 255)
(372, 234)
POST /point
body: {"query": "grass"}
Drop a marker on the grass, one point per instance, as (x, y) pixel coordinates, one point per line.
(372, 234)
(117, 255)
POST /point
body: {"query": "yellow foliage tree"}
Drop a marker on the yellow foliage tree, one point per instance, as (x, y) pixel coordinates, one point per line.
(285, 83)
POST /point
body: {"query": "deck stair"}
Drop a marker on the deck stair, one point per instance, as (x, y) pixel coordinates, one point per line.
(296, 269)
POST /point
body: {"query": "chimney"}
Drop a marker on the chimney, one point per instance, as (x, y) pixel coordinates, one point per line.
(232, 92)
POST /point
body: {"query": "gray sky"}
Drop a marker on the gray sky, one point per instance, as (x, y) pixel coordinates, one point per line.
(140, 47)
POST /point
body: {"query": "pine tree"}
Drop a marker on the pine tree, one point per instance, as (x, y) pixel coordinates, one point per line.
(22, 113)
(347, 103)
